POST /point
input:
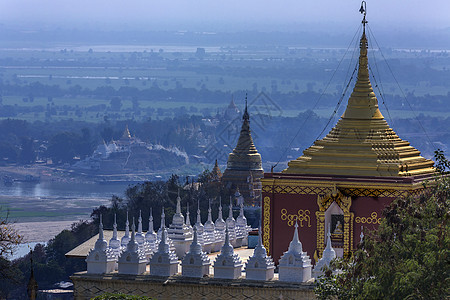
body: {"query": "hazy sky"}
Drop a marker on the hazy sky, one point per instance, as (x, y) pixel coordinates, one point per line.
(220, 15)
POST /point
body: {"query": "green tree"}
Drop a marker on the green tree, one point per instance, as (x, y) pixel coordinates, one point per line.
(63, 146)
(10, 276)
(27, 154)
(407, 257)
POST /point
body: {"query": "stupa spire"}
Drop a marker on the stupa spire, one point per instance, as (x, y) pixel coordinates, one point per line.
(178, 203)
(163, 219)
(199, 218)
(101, 244)
(115, 228)
(100, 229)
(362, 143)
(139, 235)
(188, 217)
(363, 103)
(209, 212)
(295, 245)
(127, 226)
(230, 209)
(140, 222)
(150, 221)
(327, 256)
(126, 238)
(220, 223)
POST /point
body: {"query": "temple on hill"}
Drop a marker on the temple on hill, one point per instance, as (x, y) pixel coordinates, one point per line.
(244, 167)
(343, 180)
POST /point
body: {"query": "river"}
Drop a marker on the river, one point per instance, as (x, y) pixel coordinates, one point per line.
(39, 211)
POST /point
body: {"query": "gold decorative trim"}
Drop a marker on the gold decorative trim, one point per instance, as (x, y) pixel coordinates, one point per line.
(353, 192)
(373, 219)
(348, 233)
(335, 196)
(301, 216)
(320, 216)
(344, 203)
(266, 230)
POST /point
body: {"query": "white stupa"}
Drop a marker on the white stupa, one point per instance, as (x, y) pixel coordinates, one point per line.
(211, 234)
(228, 264)
(164, 261)
(294, 264)
(179, 232)
(114, 243)
(159, 233)
(242, 229)
(188, 219)
(231, 224)
(101, 259)
(196, 263)
(126, 237)
(200, 228)
(150, 237)
(132, 260)
(220, 227)
(328, 255)
(140, 238)
(259, 266)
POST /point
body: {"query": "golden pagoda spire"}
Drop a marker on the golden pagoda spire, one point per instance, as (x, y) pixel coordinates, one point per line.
(361, 143)
(244, 155)
(363, 103)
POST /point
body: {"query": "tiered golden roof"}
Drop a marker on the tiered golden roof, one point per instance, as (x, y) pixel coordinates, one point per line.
(245, 156)
(361, 143)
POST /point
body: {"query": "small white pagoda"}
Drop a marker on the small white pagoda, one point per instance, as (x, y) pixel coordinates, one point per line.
(126, 238)
(228, 264)
(211, 234)
(242, 229)
(188, 219)
(164, 261)
(231, 225)
(132, 260)
(200, 228)
(101, 259)
(150, 237)
(140, 238)
(259, 266)
(114, 243)
(196, 263)
(328, 255)
(179, 232)
(220, 228)
(294, 264)
(159, 233)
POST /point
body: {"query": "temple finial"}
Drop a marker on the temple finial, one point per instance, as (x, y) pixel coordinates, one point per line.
(246, 116)
(363, 10)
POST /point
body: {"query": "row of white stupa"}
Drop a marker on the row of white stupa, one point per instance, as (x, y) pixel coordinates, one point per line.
(158, 251)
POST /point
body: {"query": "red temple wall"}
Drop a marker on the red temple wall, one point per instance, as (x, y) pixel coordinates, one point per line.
(285, 208)
(368, 213)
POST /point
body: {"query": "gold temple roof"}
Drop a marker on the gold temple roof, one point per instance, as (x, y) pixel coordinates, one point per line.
(361, 143)
(244, 155)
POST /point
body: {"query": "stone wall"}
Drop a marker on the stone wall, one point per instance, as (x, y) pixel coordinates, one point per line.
(87, 286)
